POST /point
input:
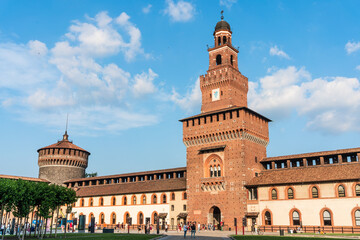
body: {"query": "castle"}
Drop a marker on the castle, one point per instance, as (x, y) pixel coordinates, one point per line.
(227, 175)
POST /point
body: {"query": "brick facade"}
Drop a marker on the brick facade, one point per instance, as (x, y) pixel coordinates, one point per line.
(227, 139)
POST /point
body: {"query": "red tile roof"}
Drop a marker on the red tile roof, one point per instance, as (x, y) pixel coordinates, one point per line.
(180, 169)
(225, 110)
(173, 184)
(299, 175)
(64, 144)
(313, 154)
(24, 178)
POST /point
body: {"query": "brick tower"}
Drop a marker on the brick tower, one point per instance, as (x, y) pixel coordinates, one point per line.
(62, 161)
(226, 142)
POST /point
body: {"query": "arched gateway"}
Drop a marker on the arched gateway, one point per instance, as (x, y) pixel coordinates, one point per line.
(215, 216)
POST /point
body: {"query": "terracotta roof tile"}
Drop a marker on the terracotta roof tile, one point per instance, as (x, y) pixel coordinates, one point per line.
(64, 144)
(128, 174)
(323, 173)
(174, 184)
(313, 154)
(225, 110)
(24, 178)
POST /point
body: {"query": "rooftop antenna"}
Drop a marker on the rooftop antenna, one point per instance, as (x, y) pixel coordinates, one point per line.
(222, 14)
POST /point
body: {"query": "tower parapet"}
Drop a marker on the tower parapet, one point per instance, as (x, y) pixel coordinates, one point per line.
(62, 161)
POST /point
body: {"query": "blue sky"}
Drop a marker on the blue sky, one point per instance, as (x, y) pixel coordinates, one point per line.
(127, 71)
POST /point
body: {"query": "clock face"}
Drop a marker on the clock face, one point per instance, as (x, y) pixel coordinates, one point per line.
(216, 94)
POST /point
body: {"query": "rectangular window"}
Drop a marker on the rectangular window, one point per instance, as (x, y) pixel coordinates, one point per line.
(172, 207)
(184, 207)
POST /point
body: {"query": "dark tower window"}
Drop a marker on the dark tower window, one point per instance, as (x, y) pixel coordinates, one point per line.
(219, 41)
(218, 59)
(232, 60)
(224, 39)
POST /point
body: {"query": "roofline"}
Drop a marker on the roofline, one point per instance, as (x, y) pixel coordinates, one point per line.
(127, 174)
(299, 183)
(311, 154)
(23, 178)
(224, 110)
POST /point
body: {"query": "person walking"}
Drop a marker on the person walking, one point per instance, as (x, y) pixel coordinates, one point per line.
(185, 227)
(199, 226)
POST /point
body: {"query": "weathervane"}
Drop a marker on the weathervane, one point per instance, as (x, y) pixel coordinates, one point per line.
(222, 16)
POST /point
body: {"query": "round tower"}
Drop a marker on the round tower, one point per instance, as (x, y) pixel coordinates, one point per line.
(62, 161)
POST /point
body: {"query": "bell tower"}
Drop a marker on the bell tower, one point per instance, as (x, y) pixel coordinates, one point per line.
(223, 86)
(225, 142)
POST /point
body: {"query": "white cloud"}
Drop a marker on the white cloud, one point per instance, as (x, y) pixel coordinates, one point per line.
(351, 47)
(146, 9)
(330, 104)
(144, 83)
(192, 99)
(181, 11)
(227, 3)
(41, 84)
(275, 51)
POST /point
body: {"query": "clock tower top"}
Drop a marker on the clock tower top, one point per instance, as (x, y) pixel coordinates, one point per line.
(223, 86)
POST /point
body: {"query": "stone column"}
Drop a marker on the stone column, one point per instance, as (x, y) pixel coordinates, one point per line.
(174, 175)
(304, 162)
(128, 179)
(164, 175)
(288, 163)
(340, 159)
(272, 165)
(137, 178)
(322, 161)
(358, 157)
(146, 178)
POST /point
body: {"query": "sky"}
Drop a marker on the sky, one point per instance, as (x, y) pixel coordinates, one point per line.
(126, 71)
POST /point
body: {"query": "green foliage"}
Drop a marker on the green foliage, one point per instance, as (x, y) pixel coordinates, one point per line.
(294, 236)
(22, 197)
(91, 174)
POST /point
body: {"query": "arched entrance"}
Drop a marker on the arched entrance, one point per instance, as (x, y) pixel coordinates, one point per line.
(215, 216)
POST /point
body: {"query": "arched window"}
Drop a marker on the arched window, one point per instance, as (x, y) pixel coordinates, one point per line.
(219, 41)
(134, 200)
(82, 202)
(154, 199)
(91, 202)
(273, 194)
(185, 196)
(141, 218)
(101, 201)
(357, 190)
(113, 218)
(144, 199)
(173, 196)
(341, 191)
(295, 218)
(211, 171)
(127, 218)
(164, 198)
(267, 218)
(124, 201)
(224, 39)
(357, 217)
(327, 218)
(218, 59)
(290, 193)
(155, 218)
(314, 192)
(219, 171)
(102, 218)
(232, 60)
(113, 201)
(215, 171)
(91, 215)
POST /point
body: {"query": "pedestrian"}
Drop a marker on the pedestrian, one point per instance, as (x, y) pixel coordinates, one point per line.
(193, 229)
(185, 227)
(199, 226)
(166, 227)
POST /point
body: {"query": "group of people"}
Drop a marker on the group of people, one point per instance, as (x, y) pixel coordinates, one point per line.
(190, 226)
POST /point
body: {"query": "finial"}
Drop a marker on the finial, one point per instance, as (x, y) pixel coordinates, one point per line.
(66, 136)
(222, 14)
